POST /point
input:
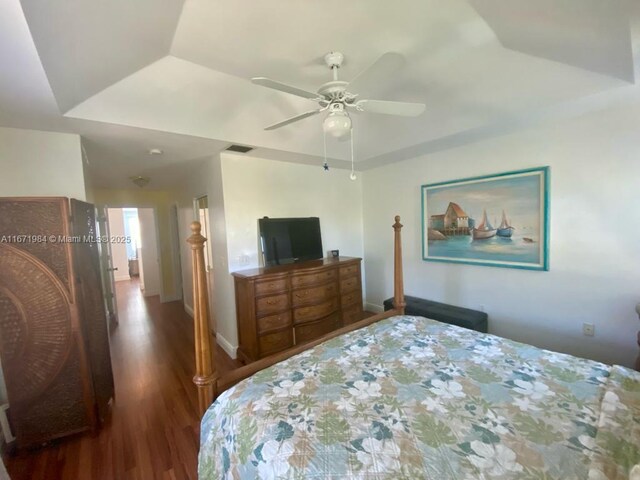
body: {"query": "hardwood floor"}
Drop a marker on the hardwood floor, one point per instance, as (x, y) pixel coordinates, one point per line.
(153, 429)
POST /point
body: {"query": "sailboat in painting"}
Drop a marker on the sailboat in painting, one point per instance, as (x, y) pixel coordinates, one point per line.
(485, 229)
(504, 229)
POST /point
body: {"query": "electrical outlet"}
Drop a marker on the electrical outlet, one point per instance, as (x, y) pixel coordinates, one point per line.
(588, 329)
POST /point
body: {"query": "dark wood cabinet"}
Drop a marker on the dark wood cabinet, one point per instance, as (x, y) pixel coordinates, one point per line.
(279, 307)
(54, 340)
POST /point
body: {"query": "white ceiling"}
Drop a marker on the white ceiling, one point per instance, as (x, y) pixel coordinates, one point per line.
(173, 74)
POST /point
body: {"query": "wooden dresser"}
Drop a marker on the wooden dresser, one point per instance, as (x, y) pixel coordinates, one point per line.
(286, 305)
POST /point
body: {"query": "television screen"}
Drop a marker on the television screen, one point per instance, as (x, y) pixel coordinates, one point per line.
(289, 240)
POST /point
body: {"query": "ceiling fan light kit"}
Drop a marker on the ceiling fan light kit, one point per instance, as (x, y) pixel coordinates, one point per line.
(334, 97)
(337, 123)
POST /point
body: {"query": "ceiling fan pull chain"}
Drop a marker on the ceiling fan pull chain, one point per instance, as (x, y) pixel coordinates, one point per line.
(325, 165)
(352, 176)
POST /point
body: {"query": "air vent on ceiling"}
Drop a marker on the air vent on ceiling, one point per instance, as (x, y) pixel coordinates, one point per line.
(239, 148)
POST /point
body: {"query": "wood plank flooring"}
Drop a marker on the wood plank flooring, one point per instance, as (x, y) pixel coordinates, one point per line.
(153, 430)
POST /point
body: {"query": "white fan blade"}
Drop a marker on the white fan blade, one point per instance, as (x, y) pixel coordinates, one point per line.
(292, 119)
(283, 87)
(392, 108)
(385, 66)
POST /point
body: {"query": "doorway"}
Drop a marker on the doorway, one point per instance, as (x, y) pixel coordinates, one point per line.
(131, 253)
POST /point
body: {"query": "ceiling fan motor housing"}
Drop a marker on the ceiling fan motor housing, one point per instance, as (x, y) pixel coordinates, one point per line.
(334, 59)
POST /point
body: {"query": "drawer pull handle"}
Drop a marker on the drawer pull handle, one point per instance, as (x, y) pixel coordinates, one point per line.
(271, 302)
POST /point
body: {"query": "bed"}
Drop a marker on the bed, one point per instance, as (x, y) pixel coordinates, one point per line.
(401, 397)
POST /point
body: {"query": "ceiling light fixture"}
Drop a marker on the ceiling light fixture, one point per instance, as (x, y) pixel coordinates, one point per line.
(338, 123)
(155, 151)
(140, 181)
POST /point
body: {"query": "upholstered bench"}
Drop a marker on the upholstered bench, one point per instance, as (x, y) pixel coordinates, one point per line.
(463, 317)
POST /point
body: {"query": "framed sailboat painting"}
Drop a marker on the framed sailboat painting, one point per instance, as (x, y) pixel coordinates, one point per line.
(499, 220)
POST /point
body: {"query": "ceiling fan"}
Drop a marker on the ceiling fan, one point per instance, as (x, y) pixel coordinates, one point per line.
(338, 97)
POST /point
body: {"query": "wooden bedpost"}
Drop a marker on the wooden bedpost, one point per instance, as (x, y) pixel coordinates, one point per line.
(398, 283)
(205, 377)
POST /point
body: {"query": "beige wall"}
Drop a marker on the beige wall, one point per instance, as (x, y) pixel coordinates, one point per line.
(160, 200)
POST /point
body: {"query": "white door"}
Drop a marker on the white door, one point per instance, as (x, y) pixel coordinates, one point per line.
(106, 267)
(150, 267)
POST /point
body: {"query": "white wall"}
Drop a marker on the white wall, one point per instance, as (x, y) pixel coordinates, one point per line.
(595, 226)
(150, 256)
(205, 178)
(255, 188)
(37, 163)
(119, 255)
(242, 189)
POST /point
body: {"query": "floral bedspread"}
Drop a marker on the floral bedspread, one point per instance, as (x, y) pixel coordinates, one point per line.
(412, 398)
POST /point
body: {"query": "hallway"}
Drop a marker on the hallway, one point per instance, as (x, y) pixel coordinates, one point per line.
(153, 429)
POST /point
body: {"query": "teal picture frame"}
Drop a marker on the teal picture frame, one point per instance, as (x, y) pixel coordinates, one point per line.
(460, 220)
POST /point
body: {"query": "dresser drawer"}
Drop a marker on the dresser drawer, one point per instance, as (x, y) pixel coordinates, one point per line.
(266, 286)
(272, 304)
(275, 342)
(314, 312)
(349, 284)
(349, 271)
(306, 333)
(311, 279)
(351, 298)
(306, 296)
(273, 322)
(352, 314)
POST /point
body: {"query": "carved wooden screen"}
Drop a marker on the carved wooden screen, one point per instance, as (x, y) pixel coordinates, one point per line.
(43, 354)
(86, 261)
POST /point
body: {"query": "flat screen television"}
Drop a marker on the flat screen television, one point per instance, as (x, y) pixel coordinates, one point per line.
(290, 240)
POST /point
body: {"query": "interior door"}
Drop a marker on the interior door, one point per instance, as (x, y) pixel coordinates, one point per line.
(106, 268)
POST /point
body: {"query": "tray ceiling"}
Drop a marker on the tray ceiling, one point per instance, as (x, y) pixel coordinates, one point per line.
(182, 68)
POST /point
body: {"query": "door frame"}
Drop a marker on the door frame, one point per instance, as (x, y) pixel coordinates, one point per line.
(174, 230)
(107, 274)
(163, 296)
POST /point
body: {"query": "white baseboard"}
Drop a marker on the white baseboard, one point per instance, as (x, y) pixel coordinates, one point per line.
(372, 307)
(188, 309)
(121, 278)
(226, 346)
